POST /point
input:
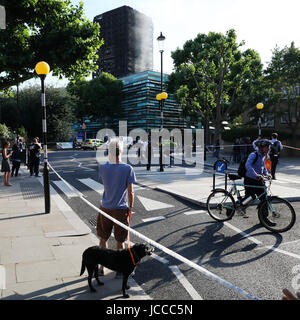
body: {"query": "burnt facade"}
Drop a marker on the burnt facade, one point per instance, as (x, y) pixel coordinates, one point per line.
(128, 42)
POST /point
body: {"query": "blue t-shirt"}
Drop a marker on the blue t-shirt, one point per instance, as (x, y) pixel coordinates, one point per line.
(115, 178)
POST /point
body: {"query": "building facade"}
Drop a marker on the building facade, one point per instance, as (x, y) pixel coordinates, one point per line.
(140, 108)
(128, 42)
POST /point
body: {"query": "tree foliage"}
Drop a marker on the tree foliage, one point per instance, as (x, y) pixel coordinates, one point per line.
(27, 113)
(213, 78)
(97, 98)
(283, 76)
(54, 31)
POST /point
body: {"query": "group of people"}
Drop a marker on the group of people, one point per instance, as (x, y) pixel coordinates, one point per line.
(15, 155)
(243, 147)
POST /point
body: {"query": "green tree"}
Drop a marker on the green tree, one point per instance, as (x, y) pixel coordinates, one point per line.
(28, 113)
(213, 77)
(54, 31)
(283, 76)
(98, 98)
(4, 132)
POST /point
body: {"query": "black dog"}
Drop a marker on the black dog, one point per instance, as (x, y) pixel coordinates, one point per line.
(119, 261)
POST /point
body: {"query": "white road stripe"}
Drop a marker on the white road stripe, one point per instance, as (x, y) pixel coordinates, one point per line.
(96, 186)
(153, 219)
(150, 204)
(188, 213)
(245, 235)
(186, 284)
(66, 189)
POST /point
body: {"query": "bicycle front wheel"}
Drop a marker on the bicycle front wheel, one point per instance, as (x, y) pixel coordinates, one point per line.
(277, 215)
(220, 205)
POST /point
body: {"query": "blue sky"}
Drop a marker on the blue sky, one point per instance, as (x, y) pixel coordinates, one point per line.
(263, 24)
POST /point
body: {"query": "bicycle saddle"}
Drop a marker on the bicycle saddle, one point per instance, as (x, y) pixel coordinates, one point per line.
(234, 177)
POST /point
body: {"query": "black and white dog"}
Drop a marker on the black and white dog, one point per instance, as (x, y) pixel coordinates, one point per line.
(119, 261)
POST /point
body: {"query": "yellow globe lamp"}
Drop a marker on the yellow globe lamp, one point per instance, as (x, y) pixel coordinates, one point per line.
(260, 106)
(42, 68)
(161, 96)
(164, 95)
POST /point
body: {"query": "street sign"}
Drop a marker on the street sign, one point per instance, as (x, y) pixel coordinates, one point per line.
(220, 166)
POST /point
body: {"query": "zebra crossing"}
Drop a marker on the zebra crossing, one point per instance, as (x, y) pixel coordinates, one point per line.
(147, 203)
(71, 190)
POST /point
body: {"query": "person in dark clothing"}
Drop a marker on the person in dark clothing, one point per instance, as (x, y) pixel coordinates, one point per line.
(274, 153)
(16, 160)
(236, 151)
(34, 157)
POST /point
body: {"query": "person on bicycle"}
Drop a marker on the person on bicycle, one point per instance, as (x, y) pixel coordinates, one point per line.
(256, 170)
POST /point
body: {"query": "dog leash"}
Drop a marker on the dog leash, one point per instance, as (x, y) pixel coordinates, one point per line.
(129, 220)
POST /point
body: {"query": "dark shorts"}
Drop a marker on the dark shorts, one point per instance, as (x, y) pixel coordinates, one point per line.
(105, 225)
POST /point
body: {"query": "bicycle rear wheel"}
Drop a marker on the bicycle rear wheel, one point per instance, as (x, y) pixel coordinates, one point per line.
(277, 215)
(220, 205)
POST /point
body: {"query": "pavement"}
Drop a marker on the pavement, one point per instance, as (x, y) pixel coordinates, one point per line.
(40, 254)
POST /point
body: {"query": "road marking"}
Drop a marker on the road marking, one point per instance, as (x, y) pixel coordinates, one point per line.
(96, 186)
(287, 181)
(258, 242)
(154, 219)
(244, 234)
(150, 204)
(188, 213)
(160, 259)
(186, 284)
(66, 189)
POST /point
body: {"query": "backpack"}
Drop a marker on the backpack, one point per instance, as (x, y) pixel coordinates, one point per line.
(242, 166)
(275, 148)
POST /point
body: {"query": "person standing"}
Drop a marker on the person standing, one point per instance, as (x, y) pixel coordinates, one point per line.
(236, 151)
(16, 160)
(34, 154)
(5, 167)
(274, 152)
(118, 196)
(217, 149)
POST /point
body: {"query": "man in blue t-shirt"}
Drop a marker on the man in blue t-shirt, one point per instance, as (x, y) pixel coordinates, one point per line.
(118, 197)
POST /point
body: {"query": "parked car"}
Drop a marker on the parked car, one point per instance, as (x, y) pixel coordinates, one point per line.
(91, 144)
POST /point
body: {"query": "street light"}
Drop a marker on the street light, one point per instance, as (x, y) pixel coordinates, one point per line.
(42, 69)
(259, 107)
(160, 97)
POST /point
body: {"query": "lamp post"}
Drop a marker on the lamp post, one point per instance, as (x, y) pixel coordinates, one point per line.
(42, 69)
(161, 97)
(259, 107)
(161, 39)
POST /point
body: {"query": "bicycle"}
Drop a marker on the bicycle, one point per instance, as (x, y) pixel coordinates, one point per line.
(275, 214)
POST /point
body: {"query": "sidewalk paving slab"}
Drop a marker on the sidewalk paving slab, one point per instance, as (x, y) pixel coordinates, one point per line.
(41, 253)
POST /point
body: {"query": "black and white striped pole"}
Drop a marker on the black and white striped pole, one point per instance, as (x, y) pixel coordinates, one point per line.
(259, 107)
(42, 69)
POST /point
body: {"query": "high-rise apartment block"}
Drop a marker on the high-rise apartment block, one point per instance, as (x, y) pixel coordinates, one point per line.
(128, 42)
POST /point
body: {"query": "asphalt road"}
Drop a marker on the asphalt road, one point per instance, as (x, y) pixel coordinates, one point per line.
(261, 263)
